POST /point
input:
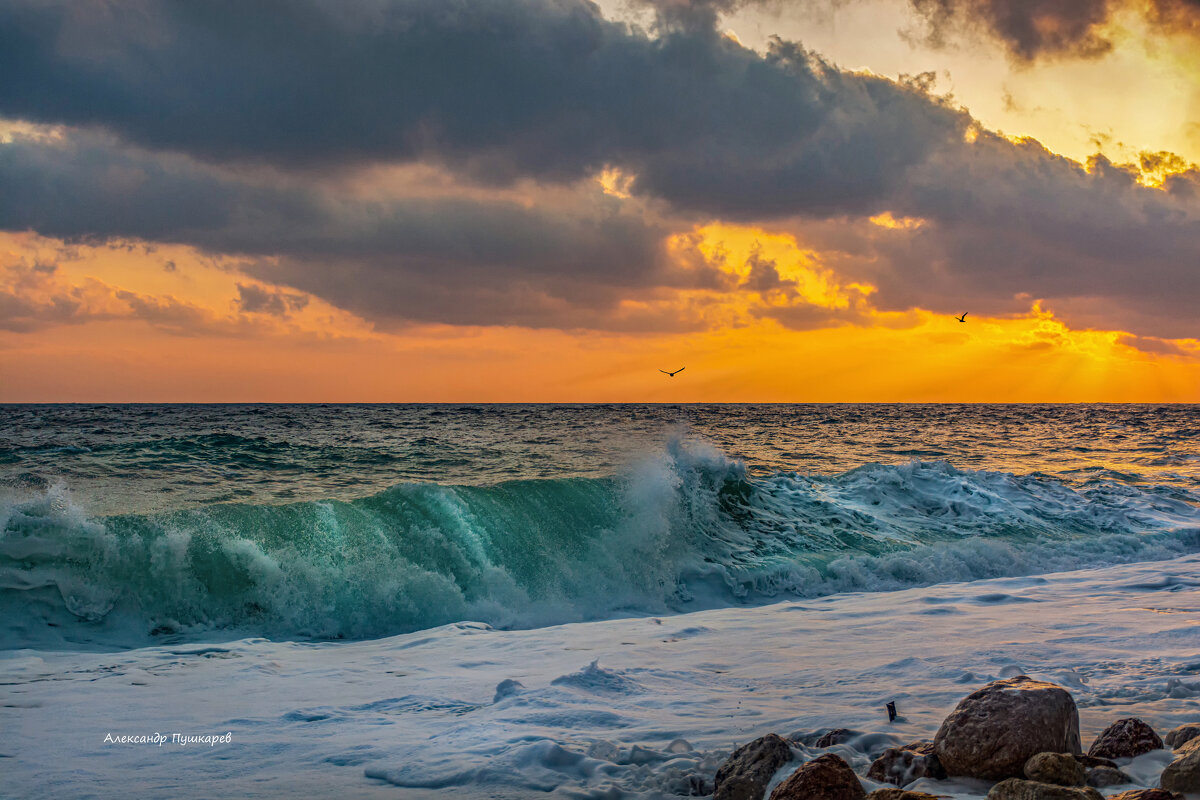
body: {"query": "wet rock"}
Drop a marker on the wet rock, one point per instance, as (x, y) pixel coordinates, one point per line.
(1147, 794)
(1183, 774)
(1017, 789)
(1106, 776)
(899, 794)
(994, 731)
(1057, 768)
(903, 765)
(1125, 738)
(835, 736)
(1178, 737)
(746, 773)
(1094, 761)
(826, 777)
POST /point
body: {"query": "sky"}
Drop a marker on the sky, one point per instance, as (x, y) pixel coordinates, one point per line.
(552, 200)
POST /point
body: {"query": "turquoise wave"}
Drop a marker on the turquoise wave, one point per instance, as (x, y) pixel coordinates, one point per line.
(688, 529)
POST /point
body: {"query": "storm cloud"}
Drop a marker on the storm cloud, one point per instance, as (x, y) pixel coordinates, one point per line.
(499, 91)
(1052, 28)
(440, 259)
(235, 127)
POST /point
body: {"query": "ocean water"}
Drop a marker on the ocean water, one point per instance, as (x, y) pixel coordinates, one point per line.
(124, 524)
(573, 601)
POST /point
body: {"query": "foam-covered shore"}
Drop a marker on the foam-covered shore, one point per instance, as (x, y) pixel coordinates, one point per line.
(635, 707)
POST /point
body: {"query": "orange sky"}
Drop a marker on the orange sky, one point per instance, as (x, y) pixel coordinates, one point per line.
(130, 320)
(320, 354)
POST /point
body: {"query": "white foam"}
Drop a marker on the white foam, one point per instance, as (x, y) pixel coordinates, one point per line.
(596, 710)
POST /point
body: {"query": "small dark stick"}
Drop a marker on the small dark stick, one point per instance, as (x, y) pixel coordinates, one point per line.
(891, 707)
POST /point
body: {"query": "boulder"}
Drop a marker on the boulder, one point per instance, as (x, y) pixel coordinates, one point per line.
(826, 777)
(1147, 794)
(1178, 737)
(995, 730)
(1057, 768)
(1093, 761)
(899, 794)
(746, 773)
(1125, 738)
(835, 736)
(1017, 789)
(903, 765)
(1100, 777)
(1183, 774)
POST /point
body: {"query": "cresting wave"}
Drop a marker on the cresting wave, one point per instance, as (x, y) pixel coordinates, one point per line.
(688, 529)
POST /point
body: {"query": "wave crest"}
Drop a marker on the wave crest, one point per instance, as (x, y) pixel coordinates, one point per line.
(687, 529)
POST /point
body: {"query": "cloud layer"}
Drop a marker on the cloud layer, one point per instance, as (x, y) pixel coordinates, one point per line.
(247, 128)
(1053, 28)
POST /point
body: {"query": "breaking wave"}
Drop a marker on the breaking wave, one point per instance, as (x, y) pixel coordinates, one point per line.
(687, 529)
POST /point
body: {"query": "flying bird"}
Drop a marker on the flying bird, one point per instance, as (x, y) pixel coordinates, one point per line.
(963, 318)
(672, 374)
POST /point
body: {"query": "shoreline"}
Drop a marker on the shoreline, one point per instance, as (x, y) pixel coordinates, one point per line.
(466, 710)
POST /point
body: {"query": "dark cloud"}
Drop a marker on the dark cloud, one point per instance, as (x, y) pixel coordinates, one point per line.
(1176, 16)
(1036, 29)
(497, 90)
(443, 258)
(259, 300)
(1150, 344)
(691, 15)
(226, 126)
(1028, 30)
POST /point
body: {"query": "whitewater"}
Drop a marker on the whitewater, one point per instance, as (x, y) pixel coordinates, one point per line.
(510, 601)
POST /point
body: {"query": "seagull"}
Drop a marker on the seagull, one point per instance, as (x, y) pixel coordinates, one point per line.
(963, 318)
(672, 374)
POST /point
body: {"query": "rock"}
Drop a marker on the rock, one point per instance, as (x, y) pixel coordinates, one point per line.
(1094, 761)
(903, 765)
(1183, 774)
(1106, 776)
(1058, 768)
(835, 736)
(1178, 737)
(1017, 789)
(1147, 794)
(826, 777)
(899, 794)
(746, 773)
(994, 731)
(1125, 738)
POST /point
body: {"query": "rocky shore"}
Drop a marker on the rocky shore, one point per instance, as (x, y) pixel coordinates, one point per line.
(1019, 735)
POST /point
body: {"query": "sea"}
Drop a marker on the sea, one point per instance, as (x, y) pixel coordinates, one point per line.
(583, 601)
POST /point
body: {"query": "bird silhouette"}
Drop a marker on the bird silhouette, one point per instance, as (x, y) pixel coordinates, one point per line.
(963, 318)
(672, 374)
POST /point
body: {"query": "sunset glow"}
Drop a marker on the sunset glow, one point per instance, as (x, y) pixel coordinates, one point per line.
(135, 266)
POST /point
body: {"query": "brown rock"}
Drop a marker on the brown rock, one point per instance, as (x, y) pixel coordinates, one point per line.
(1125, 738)
(826, 777)
(1106, 776)
(994, 731)
(835, 736)
(1178, 737)
(1093, 761)
(903, 765)
(1017, 789)
(1147, 794)
(1183, 774)
(746, 773)
(899, 794)
(1057, 768)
